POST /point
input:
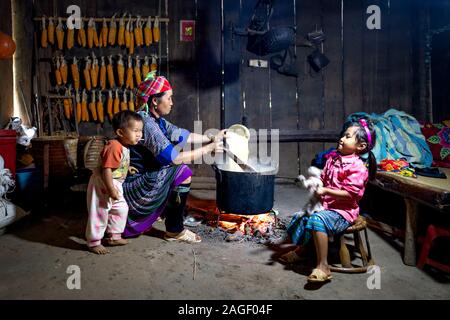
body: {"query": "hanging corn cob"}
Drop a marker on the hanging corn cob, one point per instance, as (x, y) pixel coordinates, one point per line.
(156, 30)
(145, 67)
(121, 35)
(112, 31)
(93, 107)
(103, 41)
(100, 110)
(148, 32)
(94, 71)
(154, 65)
(137, 71)
(129, 83)
(70, 37)
(116, 107)
(67, 103)
(60, 34)
(78, 106)
(51, 31)
(44, 34)
(110, 105)
(63, 70)
(131, 102)
(110, 70)
(84, 108)
(92, 34)
(124, 103)
(75, 74)
(138, 34)
(121, 71)
(103, 74)
(82, 35)
(127, 33)
(87, 78)
(57, 66)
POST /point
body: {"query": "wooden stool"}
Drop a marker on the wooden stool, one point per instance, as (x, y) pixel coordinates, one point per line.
(360, 225)
(433, 232)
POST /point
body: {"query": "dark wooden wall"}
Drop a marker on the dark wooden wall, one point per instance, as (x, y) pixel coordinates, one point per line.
(6, 68)
(369, 70)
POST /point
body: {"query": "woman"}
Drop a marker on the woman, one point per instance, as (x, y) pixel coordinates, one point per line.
(162, 180)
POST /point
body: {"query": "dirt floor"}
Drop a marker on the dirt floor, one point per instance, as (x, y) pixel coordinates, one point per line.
(36, 252)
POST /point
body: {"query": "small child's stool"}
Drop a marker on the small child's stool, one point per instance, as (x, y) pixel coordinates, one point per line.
(359, 226)
(433, 232)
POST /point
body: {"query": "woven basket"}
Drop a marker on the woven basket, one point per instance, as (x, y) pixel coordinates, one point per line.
(92, 151)
(62, 154)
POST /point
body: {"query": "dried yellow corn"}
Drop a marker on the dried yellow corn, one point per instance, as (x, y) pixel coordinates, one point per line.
(51, 31)
(145, 67)
(132, 41)
(116, 108)
(124, 103)
(70, 38)
(100, 110)
(58, 77)
(104, 34)
(112, 31)
(121, 71)
(137, 71)
(121, 33)
(87, 78)
(84, 109)
(92, 107)
(63, 70)
(60, 34)
(156, 30)
(130, 82)
(128, 33)
(90, 33)
(75, 74)
(148, 32)
(103, 74)
(131, 102)
(44, 34)
(94, 72)
(110, 105)
(82, 35)
(66, 103)
(78, 106)
(154, 65)
(138, 35)
(110, 71)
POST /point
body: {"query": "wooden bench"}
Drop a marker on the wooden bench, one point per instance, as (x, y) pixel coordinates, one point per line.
(432, 192)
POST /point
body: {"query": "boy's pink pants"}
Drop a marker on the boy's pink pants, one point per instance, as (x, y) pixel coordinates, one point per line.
(104, 213)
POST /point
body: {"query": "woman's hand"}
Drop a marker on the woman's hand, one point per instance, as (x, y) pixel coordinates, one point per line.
(220, 135)
(216, 146)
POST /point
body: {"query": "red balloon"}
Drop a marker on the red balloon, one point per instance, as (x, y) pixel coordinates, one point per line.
(7, 46)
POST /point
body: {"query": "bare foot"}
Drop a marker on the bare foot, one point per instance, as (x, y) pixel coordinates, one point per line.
(118, 242)
(99, 249)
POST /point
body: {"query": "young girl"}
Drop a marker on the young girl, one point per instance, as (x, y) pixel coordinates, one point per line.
(344, 179)
(107, 207)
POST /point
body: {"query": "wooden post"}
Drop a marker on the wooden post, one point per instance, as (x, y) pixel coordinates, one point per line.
(6, 67)
(410, 232)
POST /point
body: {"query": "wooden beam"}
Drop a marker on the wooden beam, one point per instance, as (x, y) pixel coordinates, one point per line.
(304, 135)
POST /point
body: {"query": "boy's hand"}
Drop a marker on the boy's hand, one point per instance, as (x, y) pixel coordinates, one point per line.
(132, 170)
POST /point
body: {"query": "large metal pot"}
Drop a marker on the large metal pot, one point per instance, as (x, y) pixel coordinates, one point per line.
(245, 193)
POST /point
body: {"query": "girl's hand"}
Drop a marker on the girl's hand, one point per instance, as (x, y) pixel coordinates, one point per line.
(114, 194)
(132, 170)
(321, 191)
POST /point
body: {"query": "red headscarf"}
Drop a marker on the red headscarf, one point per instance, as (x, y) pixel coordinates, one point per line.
(152, 85)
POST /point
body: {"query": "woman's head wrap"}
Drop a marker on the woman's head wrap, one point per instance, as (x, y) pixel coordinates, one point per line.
(152, 85)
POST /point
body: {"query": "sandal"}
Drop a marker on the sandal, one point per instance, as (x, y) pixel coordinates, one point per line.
(184, 236)
(291, 257)
(318, 275)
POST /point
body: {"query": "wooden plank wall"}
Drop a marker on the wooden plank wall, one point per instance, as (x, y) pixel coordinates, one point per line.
(6, 68)
(369, 70)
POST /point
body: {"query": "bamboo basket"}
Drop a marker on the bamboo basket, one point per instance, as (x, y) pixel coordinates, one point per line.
(62, 154)
(92, 150)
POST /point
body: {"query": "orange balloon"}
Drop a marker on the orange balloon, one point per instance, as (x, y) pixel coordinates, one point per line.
(7, 46)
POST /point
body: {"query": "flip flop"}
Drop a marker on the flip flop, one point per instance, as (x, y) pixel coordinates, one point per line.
(318, 275)
(184, 236)
(291, 257)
